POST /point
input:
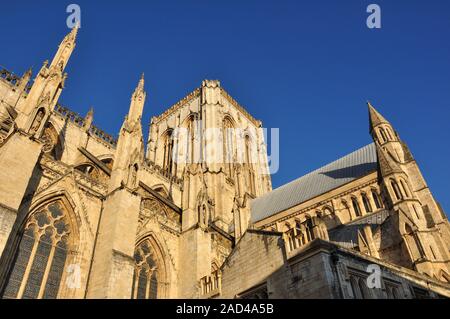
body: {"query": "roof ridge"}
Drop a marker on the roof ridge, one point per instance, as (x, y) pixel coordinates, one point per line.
(330, 176)
(326, 165)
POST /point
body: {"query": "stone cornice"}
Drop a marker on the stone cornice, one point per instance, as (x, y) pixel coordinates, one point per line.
(233, 102)
(194, 94)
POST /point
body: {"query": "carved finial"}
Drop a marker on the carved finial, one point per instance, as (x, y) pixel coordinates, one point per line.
(141, 82)
(28, 73)
(73, 33)
(88, 119)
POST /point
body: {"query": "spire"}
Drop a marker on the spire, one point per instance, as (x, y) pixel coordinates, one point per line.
(137, 101)
(65, 49)
(386, 164)
(375, 118)
(140, 86)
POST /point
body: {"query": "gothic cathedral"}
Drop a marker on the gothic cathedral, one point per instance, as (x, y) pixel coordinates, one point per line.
(86, 215)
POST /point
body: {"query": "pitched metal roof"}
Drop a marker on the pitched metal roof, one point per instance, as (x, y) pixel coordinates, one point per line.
(320, 181)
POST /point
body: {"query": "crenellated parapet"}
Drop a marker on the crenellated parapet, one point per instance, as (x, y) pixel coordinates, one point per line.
(80, 121)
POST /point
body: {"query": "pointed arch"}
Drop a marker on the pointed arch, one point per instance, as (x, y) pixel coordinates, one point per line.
(151, 273)
(396, 189)
(405, 188)
(49, 237)
(366, 203)
(356, 207)
(376, 198)
(382, 135)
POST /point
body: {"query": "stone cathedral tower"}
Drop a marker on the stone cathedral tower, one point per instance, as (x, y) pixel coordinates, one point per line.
(191, 213)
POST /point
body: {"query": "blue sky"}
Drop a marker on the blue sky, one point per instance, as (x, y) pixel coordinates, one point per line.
(306, 67)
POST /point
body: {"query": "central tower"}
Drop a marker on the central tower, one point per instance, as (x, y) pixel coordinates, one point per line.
(218, 149)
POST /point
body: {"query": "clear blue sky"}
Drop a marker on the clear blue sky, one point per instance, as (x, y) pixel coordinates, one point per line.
(306, 67)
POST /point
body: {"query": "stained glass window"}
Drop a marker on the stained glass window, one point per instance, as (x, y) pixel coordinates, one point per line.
(41, 256)
(145, 281)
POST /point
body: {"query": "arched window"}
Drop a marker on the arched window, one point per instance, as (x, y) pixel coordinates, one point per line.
(376, 199)
(396, 189)
(41, 256)
(228, 146)
(168, 166)
(299, 233)
(356, 207)
(405, 188)
(309, 228)
(388, 131)
(146, 282)
(366, 203)
(383, 136)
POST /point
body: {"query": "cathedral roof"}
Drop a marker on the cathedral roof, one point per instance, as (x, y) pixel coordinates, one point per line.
(320, 181)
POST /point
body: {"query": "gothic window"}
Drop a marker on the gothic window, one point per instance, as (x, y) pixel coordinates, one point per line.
(383, 136)
(396, 189)
(356, 207)
(41, 255)
(168, 153)
(366, 203)
(388, 131)
(300, 235)
(146, 281)
(404, 187)
(228, 146)
(416, 241)
(376, 199)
